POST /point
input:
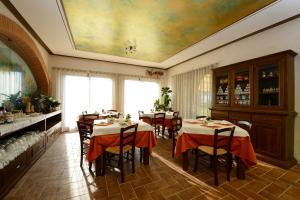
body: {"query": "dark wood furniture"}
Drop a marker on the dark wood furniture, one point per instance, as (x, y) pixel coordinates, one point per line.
(112, 110)
(221, 146)
(50, 124)
(200, 116)
(176, 124)
(88, 117)
(145, 118)
(159, 123)
(260, 91)
(127, 145)
(175, 114)
(85, 130)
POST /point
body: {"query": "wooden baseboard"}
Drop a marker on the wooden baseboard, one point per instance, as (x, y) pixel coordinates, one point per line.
(285, 164)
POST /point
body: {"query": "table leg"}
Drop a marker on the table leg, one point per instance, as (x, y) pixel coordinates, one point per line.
(171, 134)
(146, 156)
(240, 169)
(185, 160)
(98, 165)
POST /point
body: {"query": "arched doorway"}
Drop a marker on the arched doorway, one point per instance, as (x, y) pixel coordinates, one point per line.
(17, 39)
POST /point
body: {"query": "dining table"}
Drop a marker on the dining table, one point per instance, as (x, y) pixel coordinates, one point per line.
(194, 133)
(107, 134)
(169, 117)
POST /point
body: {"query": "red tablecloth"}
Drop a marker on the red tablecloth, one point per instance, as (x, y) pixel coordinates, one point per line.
(168, 123)
(99, 143)
(241, 146)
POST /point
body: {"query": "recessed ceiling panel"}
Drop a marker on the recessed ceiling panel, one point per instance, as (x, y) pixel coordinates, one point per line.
(150, 30)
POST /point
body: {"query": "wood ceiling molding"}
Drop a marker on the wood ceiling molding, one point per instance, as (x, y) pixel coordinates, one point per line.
(16, 38)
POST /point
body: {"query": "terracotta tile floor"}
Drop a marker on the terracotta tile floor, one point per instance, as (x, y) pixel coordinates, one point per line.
(57, 175)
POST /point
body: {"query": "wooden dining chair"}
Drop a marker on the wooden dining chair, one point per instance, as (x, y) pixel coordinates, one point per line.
(88, 117)
(248, 127)
(146, 119)
(221, 147)
(176, 124)
(200, 116)
(175, 114)
(112, 110)
(245, 125)
(85, 130)
(127, 146)
(159, 123)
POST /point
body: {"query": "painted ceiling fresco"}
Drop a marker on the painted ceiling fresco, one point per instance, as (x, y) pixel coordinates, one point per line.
(158, 28)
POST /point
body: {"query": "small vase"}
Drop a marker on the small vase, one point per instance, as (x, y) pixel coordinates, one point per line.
(28, 105)
(32, 109)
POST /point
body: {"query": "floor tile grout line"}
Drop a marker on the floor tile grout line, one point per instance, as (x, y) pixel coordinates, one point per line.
(285, 191)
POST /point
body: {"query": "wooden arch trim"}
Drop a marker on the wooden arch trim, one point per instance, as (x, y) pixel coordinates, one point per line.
(15, 37)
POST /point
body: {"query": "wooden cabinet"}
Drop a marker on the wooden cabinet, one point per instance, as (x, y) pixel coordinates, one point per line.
(261, 91)
(10, 174)
(268, 137)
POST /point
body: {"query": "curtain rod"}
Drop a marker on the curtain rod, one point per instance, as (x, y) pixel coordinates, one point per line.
(102, 73)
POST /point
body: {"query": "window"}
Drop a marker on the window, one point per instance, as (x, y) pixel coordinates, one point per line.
(139, 95)
(85, 93)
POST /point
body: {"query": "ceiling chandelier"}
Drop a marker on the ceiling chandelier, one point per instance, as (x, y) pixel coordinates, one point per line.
(130, 47)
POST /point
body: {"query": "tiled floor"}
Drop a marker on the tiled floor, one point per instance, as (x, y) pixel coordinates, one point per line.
(57, 175)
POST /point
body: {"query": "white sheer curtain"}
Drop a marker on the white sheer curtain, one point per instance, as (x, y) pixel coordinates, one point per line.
(192, 92)
(10, 83)
(81, 90)
(139, 95)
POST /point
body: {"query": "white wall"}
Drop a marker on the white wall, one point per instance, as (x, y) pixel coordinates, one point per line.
(283, 37)
(7, 13)
(99, 66)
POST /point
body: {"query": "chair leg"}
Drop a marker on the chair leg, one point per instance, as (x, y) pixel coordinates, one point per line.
(215, 169)
(133, 161)
(90, 166)
(81, 154)
(163, 131)
(229, 165)
(103, 163)
(196, 159)
(121, 168)
(173, 145)
(142, 150)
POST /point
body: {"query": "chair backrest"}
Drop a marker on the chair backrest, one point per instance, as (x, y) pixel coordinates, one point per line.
(176, 124)
(159, 118)
(176, 114)
(127, 137)
(200, 116)
(221, 141)
(245, 125)
(88, 117)
(140, 114)
(85, 129)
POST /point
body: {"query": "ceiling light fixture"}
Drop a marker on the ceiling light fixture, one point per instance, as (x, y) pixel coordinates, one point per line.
(130, 47)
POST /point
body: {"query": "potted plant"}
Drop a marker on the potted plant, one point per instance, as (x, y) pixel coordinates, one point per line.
(48, 104)
(128, 118)
(166, 100)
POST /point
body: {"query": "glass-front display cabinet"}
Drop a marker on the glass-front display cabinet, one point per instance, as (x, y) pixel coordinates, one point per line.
(262, 92)
(241, 87)
(222, 89)
(268, 85)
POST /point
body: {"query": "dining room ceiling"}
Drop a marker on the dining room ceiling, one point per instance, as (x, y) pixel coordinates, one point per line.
(158, 33)
(154, 30)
